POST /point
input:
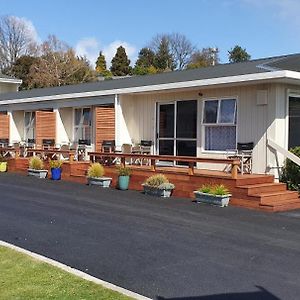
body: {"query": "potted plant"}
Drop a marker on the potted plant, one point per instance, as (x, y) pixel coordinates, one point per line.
(36, 168)
(123, 178)
(3, 164)
(55, 166)
(158, 185)
(95, 176)
(213, 194)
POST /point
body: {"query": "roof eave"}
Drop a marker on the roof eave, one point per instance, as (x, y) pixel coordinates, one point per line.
(228, 80)
(11, 80)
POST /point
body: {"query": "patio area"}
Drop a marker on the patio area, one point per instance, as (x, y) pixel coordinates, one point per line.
(254, 191)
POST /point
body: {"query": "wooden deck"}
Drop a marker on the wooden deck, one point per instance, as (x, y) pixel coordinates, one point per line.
(253, 191)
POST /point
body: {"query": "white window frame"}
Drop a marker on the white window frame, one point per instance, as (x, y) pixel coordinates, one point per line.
(203, 125)
(26, 128)
(81, 126)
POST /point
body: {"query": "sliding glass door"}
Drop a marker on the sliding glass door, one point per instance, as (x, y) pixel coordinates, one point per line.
(166, 129)
(177, 128)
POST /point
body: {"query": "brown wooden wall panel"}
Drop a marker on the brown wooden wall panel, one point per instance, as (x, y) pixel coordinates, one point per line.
(45, 126)
(104, 125)
(4, 126)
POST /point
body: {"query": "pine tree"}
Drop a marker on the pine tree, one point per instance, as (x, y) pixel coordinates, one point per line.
(163, 58)
(145, 62)
(101, 63)
(238, 54)
(120, 64)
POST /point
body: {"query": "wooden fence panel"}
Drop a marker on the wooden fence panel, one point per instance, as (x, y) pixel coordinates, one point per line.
(45, 126)
(104, 125)
(4, 126)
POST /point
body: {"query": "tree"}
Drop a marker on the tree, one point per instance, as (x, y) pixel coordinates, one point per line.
(181, 50)
(204, 58)
(163, 60)
(21, 69)
(58, 65)
(120, 64)
(101, 66)
(145, 62)
(16, 39)
(238, 54)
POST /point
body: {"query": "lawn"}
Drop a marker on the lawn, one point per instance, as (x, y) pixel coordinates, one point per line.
(22, 277)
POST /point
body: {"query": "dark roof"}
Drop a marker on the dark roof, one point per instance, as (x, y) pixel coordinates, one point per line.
(285, 62)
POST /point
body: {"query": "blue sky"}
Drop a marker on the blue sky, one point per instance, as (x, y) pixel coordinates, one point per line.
(263, 27)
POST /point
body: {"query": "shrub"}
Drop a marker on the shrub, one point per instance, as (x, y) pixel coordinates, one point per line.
(95, 170)
(217, 189)
(291, 172)
(124, 171)
(220, 190)
(55, 164)
(205, 188)
(159, 181)
(36, 163)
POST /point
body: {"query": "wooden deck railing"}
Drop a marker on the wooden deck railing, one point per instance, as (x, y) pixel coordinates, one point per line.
(16, 152)
(153, 159)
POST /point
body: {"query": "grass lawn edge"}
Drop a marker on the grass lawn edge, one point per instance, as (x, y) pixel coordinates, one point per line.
(74, 271)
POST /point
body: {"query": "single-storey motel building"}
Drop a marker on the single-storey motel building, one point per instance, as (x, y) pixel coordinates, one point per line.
(201, 112)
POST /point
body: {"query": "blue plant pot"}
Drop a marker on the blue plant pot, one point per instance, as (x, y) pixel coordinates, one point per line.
(56, 173)
(123, 182)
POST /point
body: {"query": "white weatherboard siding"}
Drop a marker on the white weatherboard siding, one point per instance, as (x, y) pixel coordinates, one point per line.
(16, 126)
(139, 114)
(8, 87)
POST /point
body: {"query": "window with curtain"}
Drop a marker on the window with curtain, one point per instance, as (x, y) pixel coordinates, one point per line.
(219, 121)
(83, 124)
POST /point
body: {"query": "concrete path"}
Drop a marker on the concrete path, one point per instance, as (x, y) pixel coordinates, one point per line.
(160, 248)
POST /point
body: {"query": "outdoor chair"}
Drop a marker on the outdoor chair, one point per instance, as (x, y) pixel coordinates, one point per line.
(82, 148)
(127, 149)
(64, 156)
(4, 143)
(243, 153)
(108, 146)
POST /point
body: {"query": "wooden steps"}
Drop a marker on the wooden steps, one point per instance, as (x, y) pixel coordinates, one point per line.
(271, 197)
(252, 191)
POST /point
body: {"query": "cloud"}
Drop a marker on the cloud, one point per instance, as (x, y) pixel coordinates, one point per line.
(283, 10)
(90, 48)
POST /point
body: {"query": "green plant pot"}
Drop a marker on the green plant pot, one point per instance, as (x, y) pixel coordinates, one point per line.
(123, 183)
(3, 166)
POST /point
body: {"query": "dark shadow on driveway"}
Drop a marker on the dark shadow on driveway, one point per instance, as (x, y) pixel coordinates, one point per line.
(262, 294)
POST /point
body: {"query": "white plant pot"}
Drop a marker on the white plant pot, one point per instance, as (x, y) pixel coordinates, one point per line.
(100, 181)
(38, 173)
(217, 200)
(153, 191)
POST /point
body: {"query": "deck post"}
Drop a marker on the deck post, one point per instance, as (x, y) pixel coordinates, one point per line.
(122, 162)
(71, 156)
(153, 166)
(234, 169)
(191, 168)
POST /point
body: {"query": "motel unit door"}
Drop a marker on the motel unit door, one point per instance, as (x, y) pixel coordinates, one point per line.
(177, 128)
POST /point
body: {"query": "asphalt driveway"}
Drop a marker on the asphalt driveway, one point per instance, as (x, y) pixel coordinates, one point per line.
(161, 248)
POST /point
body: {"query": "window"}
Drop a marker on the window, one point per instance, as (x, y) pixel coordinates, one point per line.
(29, 127)
(219, 121)
(83, 124)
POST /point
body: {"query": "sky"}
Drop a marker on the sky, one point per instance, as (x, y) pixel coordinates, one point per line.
(264, 27)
